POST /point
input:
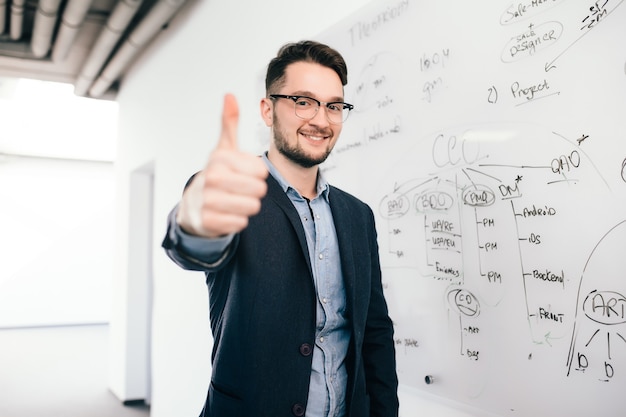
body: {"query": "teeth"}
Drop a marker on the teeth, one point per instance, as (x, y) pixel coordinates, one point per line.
(316, 138)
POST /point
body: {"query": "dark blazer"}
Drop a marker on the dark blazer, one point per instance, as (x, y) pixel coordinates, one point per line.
(262, 310)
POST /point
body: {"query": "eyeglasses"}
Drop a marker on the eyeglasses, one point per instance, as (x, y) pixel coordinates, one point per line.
(306, 108)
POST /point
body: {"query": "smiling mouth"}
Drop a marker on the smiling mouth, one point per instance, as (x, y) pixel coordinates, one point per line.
(315, 137)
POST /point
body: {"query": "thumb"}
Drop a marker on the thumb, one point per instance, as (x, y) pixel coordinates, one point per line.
(230, 121)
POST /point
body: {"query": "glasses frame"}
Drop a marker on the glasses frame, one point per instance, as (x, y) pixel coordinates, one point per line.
(345, 106)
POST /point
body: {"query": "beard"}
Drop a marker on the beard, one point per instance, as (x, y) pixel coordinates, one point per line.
(295, 153)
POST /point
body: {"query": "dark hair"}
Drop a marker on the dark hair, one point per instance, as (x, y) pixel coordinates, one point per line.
(308, 51)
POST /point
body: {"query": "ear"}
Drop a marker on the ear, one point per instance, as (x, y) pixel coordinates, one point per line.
(267, 111)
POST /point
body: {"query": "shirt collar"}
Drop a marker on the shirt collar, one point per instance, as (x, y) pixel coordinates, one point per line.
(323, 188)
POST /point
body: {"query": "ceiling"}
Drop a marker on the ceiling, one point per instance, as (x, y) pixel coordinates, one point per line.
(87, 43)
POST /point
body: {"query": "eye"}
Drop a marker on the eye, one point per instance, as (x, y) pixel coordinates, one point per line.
(335, 107)
(303, 102)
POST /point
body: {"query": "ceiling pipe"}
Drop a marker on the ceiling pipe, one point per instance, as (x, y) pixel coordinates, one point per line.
(73, 17)
(160, 14)
(117, 23)
(3, 15)
(45, 20)
(17, 19)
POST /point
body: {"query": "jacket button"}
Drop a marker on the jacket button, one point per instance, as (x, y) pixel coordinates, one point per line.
(305, 349)
(298, 410)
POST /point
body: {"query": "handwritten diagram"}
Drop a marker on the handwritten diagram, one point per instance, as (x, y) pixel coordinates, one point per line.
(491, 148)
(599, 334)
(479, 225)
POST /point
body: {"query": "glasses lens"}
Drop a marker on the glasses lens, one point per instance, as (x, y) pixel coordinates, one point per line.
(306, 108)
(337, 113)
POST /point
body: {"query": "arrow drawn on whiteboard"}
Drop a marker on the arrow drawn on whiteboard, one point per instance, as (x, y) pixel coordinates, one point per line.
(548, 337)
(581, 139)
(400, 188)
(482, 173)
(550, 65)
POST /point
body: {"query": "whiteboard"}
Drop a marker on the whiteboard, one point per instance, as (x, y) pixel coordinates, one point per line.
(489, 139)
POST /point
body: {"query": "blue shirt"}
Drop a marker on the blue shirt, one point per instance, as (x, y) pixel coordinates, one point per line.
(328, 380)
(327, 391)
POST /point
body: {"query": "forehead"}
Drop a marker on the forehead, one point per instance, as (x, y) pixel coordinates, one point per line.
(313, 78)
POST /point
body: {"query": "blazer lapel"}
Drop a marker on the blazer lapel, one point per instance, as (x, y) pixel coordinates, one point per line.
(276, 194)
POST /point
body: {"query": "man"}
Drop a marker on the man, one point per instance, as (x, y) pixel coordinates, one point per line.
(298, 316)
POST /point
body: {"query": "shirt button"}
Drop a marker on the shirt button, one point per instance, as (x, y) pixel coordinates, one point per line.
(298, 410)
(321, 256)
(324, 300)
(322, 339)
(305, 349)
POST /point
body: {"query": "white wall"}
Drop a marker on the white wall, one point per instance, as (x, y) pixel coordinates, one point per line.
(56, 205)
(170, 109)
(56, 219)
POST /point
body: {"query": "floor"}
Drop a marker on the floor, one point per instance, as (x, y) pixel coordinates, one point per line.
(58, 371)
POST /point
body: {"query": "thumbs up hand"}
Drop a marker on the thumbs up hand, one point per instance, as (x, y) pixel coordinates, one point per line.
(222, 197)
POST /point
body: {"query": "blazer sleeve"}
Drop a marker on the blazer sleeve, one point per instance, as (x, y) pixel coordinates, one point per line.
(209, 259)
(215, 256)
